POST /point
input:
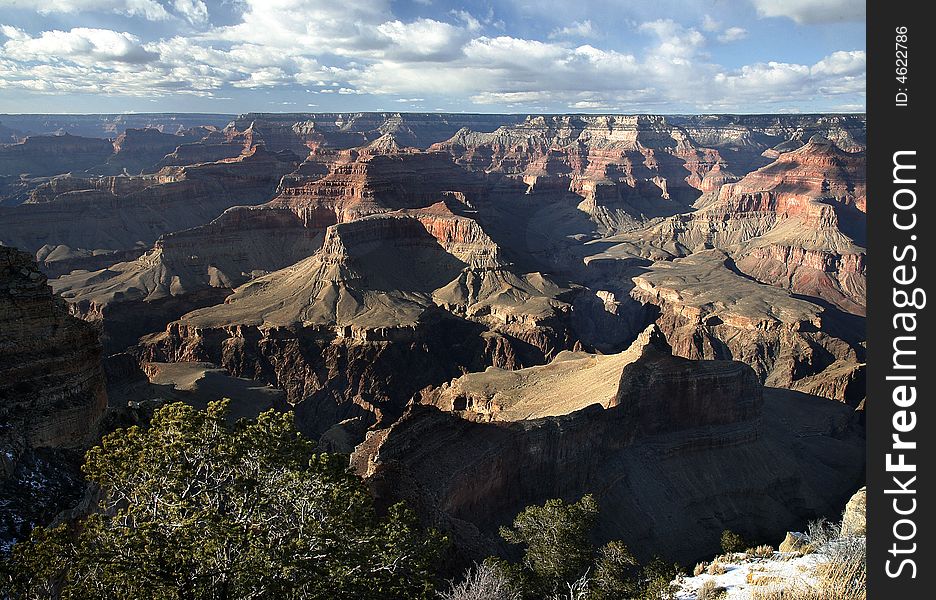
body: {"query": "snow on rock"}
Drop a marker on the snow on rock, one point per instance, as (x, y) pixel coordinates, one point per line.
(744, 574)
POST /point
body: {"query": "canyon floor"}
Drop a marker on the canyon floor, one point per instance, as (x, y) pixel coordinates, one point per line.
(482, 311)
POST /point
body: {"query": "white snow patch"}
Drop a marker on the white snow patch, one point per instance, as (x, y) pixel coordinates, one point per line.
(783, 568)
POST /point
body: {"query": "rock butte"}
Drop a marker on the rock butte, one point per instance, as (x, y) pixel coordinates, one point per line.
(684, 450)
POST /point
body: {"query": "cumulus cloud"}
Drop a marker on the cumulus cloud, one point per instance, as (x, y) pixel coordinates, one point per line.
(360, 47)
(836, 74)
(148, 9)
(732, 34)
(80, 44)
(423, 39)
(813, 11)
(194, 11)
(841, 63)
(578, 29)
(675, 41)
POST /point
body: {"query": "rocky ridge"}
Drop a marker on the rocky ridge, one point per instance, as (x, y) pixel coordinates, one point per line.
(684, 450)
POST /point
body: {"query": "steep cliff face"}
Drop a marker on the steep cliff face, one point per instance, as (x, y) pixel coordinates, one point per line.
(197, 267)
(50, 375)
(709, 311)
(390, 304)
(686, 450)
(797, 223)
(54, 154)
(52, 394)
(126, 217)
(199, 152)
(304, 131)
(139, 150)
(624, 169)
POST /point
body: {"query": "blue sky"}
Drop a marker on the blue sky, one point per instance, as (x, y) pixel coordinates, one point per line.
(234, 56)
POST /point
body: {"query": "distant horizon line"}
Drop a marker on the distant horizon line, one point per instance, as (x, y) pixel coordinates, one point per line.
(334, 112)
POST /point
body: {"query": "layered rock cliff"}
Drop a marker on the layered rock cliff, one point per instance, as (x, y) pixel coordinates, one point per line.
(52, 394)
(685, 450)
(51, 384)
(708, 310)
(102, 216)
(390, 304)
(51, 155)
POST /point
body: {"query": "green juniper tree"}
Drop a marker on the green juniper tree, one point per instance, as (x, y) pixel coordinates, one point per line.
(192, 508)
(560, 561)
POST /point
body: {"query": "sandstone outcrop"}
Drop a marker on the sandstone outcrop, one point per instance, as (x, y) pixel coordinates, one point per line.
(51, 155)
(708, 310)
(51, 384)
(854, 519)
(797, 223)
(197, 267)
(112, 214)
(52, 395)
(686, 450)
(571, 381)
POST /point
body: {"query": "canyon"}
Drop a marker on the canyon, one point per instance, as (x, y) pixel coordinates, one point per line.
(483, 311)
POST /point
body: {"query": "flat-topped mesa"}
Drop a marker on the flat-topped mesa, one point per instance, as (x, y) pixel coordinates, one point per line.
(363, 183)
(182, 197)
(638, 377)
(708, 311)
(759, 132)
(138, 150)
(53, 154)
(676, 454)
(63, 184)
(51, 384)
(199, 152)
(817, 170)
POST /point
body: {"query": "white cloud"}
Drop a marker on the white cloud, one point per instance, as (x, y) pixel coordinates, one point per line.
(812, 11)
(579, 29)
(423, 39)
(347, 27)
(841, 63)
(81, 44)
(148, 9)
(710, 24)
(675, 41)
(732, 34)
(359, 47)
(194, 11)
(836, 74)
(591, 105)
(468, 19)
